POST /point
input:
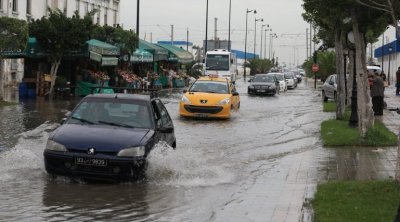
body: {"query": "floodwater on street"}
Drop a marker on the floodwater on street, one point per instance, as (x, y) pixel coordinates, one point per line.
(261, 165)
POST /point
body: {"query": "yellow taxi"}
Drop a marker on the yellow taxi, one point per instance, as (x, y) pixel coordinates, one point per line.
(209, 97)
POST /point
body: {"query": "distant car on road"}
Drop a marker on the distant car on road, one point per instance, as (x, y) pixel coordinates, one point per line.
(329, 88)
(291, 80)
(263, 84)
(210, 97)
(281, 78)
(108, 137)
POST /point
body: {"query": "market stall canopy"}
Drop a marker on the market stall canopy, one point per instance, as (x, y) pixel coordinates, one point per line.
(141, 55)
(159, 54)
(177, 54)
(102, 52)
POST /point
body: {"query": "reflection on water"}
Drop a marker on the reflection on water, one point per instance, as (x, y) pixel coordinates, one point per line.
(29, 114)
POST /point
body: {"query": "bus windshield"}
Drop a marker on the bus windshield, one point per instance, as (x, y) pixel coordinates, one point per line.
(217, 62)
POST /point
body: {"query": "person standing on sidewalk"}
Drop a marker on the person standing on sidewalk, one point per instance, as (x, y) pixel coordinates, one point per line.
(398, 82)
(377, 94)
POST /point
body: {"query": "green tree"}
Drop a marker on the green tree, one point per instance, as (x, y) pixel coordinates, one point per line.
(259, 65)
(126, 40)
(58, 35)
(13, 37)
(327, 65)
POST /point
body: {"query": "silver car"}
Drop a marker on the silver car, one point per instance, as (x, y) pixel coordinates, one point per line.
(329, 88)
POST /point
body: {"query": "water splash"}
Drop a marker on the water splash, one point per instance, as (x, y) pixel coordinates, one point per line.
(26, 158)
(184, 167)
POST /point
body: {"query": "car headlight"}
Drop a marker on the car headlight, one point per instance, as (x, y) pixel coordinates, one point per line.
(54, 146)
(185, 100)
(223, 102)
(132, 152)
(251, 87)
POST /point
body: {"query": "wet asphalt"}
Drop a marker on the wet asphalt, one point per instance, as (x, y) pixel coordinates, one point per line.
(261, 165)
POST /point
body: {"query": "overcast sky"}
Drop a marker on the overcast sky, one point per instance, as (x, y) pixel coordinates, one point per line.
(283, 17)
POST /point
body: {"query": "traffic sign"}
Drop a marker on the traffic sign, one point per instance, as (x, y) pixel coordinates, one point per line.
(315, 67)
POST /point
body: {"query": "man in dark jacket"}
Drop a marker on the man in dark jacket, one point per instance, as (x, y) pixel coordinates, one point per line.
(377, 93)
(398, 82)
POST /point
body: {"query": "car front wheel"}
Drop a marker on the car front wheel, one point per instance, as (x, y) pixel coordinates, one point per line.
(324, 98)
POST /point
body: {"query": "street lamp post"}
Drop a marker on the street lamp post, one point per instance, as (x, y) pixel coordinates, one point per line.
(265, 42)
(245, 42)
(255, 34)
(137, 18)
(205, 44)
(229, 29)
(261, 45)
(353, 121)
(390, 52)
(271, 36)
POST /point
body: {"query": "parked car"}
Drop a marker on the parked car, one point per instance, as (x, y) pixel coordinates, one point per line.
(108, 136)
(329, 88)
(291, 80)
(281, 78)
(263, 84)
(210, 97)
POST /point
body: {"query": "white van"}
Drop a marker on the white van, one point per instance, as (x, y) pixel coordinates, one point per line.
(223, 63)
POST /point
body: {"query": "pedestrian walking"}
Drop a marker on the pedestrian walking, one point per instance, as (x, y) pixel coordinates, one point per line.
(398, 82)
(377, 94)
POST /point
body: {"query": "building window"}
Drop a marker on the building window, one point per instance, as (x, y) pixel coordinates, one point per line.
(115, 17)
(98, 16)
(65, 6)
(77, 6)
(87, 7)
(14, 64)
(15, 5)
(105, 17)
(1, 5)
(28, 7)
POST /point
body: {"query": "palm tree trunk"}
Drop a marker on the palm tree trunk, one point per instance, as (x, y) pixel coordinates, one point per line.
(53, 73)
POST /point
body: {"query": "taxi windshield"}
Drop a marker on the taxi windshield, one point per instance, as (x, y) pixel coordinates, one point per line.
(209, 87)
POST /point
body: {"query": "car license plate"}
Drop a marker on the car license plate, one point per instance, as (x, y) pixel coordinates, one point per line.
(202, 115)
(261, 90)
(90, 161)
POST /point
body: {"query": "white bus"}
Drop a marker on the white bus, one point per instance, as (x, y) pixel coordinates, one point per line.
(221, 62)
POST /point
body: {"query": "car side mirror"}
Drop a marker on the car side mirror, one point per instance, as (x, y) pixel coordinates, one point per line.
(184, 91)
(231, 61)
(165, 129)
(235, 93)
(250, 80)
(63, 120)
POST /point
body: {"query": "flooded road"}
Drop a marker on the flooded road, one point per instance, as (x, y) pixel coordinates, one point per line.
(261, 165)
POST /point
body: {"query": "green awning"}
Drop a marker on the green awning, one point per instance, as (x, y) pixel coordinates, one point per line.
(159, 54)
(109, 61)
(177, 54)
(102, 48)
(33, 49)
(141, 55)
(95, 56)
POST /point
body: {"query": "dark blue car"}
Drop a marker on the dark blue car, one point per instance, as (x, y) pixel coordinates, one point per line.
(108, 136)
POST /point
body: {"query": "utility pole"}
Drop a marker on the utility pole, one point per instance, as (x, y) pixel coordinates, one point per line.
(187, 39)
(215, 29)
(310, 39)
(172, 34)
(137, 18)
(151, 37)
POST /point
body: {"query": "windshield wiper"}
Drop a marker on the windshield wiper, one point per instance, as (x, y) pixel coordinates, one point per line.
(116, 124)
(82, 120)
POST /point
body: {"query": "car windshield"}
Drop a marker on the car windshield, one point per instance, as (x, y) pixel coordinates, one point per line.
(217, 62)
(289, 76)
(113, 113)
(279, 77)
(263, 78)
(210, 87)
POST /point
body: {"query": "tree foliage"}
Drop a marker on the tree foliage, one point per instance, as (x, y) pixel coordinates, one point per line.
(13, 34)
(126, 40)
(326, 61)
(259, 66)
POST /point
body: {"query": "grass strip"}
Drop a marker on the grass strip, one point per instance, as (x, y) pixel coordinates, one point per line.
(5, 103)
(329, 106)
(356, 201)
(338, 133)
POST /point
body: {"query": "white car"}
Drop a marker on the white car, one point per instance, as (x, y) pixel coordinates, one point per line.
(281, 78)
(291, 80)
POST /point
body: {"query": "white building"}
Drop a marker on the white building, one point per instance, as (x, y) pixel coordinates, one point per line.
(11, 70)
